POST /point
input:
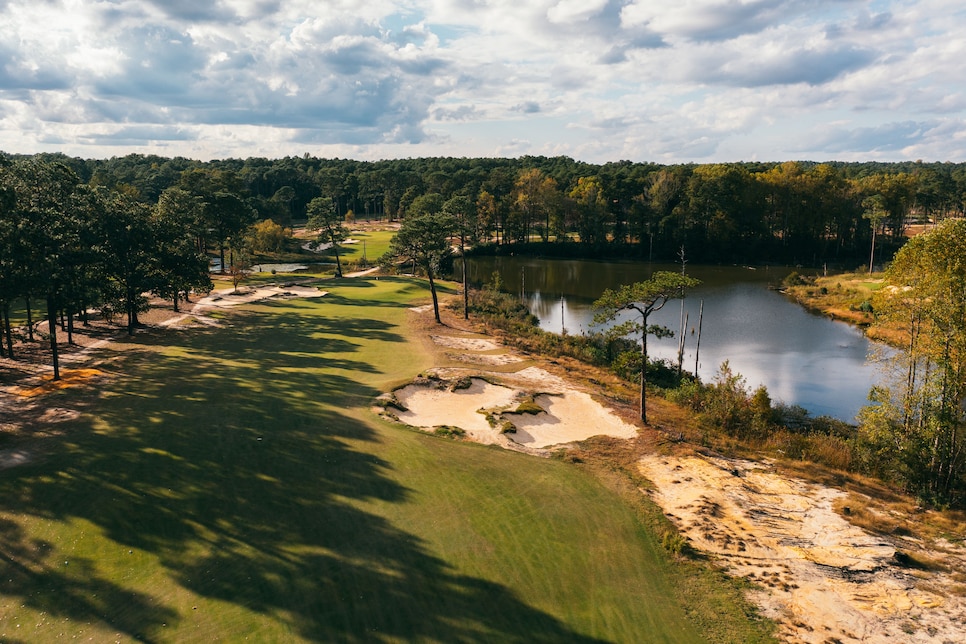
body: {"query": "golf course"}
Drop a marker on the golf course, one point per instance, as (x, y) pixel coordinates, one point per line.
(230, 481)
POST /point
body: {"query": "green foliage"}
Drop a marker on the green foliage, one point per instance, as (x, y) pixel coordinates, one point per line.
(916, 426)
(449, 431)
(528, 406)
(674, 542)
(331, 230)
(423, 239)
(643, 298)
(268, 237)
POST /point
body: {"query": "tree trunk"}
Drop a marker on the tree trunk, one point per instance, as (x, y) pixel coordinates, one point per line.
(132, 312)
(30, 322)
(338, 263)
(697, 346)
(432, 289)
(52, 322)
(466, 292)
(6, 329)
(644, 373)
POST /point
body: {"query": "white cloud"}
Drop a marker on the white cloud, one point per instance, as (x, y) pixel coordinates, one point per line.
(596, 79)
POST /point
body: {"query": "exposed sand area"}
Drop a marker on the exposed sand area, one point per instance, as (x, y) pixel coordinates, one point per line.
(823, 579)
(487, 408)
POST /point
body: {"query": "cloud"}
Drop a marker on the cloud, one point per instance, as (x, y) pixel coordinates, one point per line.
(637, 79)
(570, 11)
(461, 113)
(530, 107)
(778, 66)
(193, 10)
(886, 137)
(712, 20)
(138, 135)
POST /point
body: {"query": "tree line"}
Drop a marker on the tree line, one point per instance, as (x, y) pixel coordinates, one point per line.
(791, 212)
(68, 247)
(81, 234)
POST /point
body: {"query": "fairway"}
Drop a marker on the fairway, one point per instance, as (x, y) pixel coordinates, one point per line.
(231, 482)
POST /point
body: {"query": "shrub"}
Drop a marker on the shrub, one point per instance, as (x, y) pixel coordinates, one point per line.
(794, 279)
(674, 542)
(449, 431)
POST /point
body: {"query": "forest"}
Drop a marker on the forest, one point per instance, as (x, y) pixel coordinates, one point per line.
(793, 212)
(98, 235)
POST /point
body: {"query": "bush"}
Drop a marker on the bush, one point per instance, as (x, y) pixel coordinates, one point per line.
(674, 542)
(448, 431)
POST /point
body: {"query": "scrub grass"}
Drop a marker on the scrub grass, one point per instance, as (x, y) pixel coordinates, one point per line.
(845, 296)
(231, 483)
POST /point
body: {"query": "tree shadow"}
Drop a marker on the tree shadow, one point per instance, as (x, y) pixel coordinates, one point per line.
(228, 459)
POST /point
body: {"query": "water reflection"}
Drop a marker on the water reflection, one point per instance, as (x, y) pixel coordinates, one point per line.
(803, 359)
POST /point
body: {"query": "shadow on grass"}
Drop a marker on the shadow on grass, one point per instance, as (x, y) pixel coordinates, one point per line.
(224, 454)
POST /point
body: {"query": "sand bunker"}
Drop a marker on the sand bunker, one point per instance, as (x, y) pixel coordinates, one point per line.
(469, 344)
(429, 407)
(571, 416)
(224, 299)
(824, 579)
(485, 411)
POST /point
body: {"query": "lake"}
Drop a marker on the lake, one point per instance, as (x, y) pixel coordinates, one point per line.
(802, 358)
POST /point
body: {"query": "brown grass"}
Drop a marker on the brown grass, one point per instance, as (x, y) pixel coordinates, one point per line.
(68, 378)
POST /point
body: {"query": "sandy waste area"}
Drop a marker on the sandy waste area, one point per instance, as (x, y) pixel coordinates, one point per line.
(821, 578)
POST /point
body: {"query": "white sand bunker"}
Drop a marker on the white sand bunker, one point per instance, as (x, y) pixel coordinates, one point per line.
(571, 416)
(223, 299)
(485, 411)
(429, 407)
(825, 580)
(490, 360)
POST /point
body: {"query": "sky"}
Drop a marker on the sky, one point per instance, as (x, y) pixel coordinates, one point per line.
(597, 80)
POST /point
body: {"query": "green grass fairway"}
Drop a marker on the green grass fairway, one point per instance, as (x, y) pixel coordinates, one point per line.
(376, 245)
(231, 484)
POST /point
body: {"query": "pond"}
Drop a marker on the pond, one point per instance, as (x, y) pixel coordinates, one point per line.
(802, 358)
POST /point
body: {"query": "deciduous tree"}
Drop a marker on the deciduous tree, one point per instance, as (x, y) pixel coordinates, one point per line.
(920, 418)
